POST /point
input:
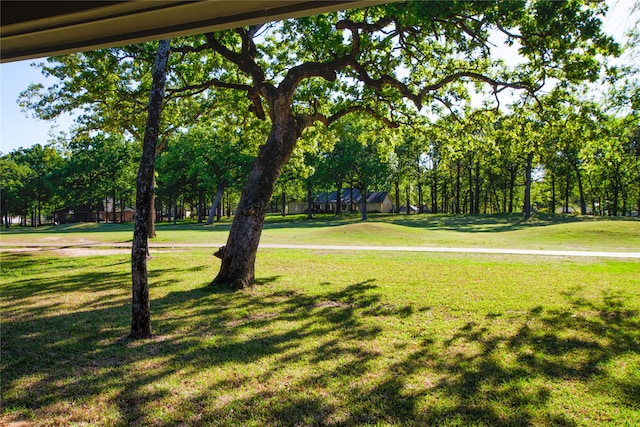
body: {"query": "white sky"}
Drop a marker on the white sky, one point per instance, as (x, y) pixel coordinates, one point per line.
(19, 129)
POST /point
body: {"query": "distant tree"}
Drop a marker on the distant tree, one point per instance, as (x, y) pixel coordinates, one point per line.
(14, 177)
(99, 168)
(39, 190)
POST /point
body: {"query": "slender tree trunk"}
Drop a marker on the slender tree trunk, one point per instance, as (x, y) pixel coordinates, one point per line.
(512, 185)
(309, 199)
(351, 197)
(175, 208)
(338, 198)
(283, 197)
(140, 307)
(527, 187)
(407, 193)
(216, 201)
(472, 197)
(583, 204)
(434, 192)
(238, 255)
(477, 192)
(151, 228)
(113, 207)
(457, 207)
(200, 206)
(553, 194)
(397, 209)
(566, 197)
(363, 203)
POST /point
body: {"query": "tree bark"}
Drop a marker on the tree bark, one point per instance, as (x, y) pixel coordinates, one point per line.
(363, 203)
(457, 207)
(283, 196)
(565, 209)
(239, 254)
(527, 187)
(407, 191)
(151, 232)
(216, 201)
(309, 199)
(583, 203)
(338, 198)
(477, 192)
(140, 307)
(552, 208)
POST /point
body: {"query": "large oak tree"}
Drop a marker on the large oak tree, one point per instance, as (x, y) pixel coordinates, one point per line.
(319, 69)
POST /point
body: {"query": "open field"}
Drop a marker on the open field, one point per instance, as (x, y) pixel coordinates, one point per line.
(329, 337)
(488, 231)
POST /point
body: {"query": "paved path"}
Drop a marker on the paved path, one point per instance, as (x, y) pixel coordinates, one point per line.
(504, 251)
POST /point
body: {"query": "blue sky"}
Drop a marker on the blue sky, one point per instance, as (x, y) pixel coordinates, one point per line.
(20, 129)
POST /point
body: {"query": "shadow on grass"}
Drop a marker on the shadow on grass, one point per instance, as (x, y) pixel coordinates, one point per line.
(281, 357)
(482, 223)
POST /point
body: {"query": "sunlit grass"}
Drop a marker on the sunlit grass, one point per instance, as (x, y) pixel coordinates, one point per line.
(489, 231)
(325, 338)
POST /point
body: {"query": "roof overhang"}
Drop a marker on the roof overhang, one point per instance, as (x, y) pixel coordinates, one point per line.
(33, 29)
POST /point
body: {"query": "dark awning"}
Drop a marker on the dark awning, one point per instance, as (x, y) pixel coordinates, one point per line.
(32, 29)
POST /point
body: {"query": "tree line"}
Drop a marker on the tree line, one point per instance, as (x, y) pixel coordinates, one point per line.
(579, 158)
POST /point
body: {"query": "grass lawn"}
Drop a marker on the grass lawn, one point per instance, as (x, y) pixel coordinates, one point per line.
(327, 338)
(493, 231)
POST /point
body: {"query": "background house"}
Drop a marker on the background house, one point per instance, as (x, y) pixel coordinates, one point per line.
(377, 201)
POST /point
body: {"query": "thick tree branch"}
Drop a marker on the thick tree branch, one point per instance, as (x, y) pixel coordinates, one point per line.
(244, 60)
(306, 120)
(198, 88)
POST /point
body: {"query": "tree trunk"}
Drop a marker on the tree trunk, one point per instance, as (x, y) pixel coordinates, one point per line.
(407, 193)
(477, 192)
(283, 197)
(200, 206)
(397, 209)
(527, 187)
(583, 204)
(472, 198)
(553, 194)
(309, 199)
(151, 231)
(565, 209)
(216, 201)
(338, 198)
(434, 192)
(363, 203)
(351, 197)
(457, 201)
(239, 254)
(512, 185)
(140, 308)
(175, 208)
(113, 206)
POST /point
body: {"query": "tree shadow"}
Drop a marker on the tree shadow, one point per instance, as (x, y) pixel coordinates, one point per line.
(277, 356)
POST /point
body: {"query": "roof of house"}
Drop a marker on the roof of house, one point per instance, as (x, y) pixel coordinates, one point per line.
(331, 198)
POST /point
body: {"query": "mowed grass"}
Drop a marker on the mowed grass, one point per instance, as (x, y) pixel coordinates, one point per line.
(554, 232)
(325, 338)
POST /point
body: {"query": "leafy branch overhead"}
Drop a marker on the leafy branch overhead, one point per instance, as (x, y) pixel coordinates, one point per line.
(375, 57)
